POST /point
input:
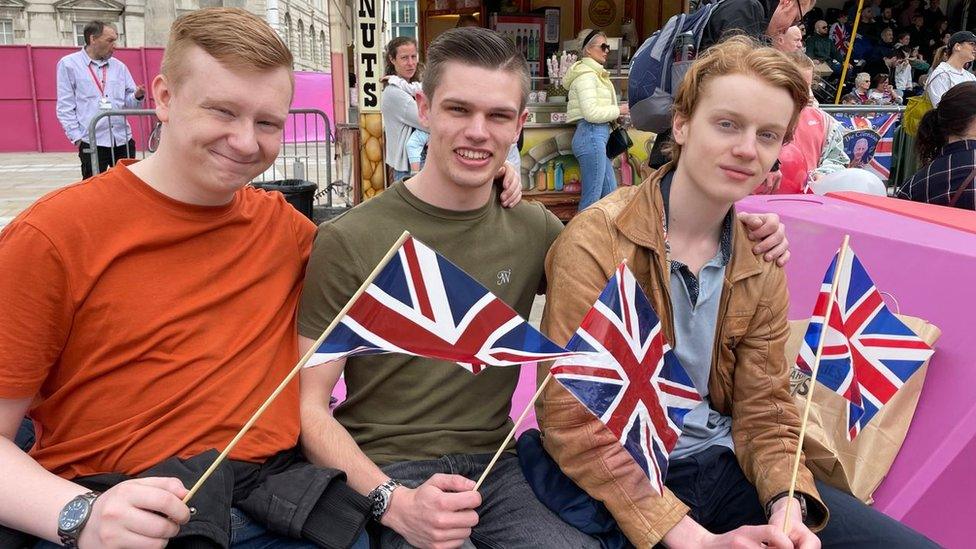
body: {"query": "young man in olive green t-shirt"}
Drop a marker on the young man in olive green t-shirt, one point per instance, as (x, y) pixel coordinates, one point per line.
(427, 423)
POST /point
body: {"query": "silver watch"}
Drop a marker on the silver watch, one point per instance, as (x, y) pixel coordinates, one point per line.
(381, 496)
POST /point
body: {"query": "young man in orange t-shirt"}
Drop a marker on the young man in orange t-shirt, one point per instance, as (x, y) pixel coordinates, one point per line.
(149, 311)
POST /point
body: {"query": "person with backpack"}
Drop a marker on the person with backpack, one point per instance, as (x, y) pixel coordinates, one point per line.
(592, 106)
(659, 64)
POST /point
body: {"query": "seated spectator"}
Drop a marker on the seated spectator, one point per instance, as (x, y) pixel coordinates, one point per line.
(859, 95)
(908, 13)
(882, 92)
(728, 478)
(868, 26)
(952, 71)
(946, 142)
(904, 84)
(790, 41)
(840, 32)
(821, 48)
(888, 18)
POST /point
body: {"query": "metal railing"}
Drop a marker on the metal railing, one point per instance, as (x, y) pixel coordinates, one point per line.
(305, 154)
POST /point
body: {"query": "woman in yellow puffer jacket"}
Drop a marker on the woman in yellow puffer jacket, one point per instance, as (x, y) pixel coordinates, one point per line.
(592, 105)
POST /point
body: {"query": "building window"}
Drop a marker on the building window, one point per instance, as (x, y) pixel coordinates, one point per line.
(312, 50)
(288, 35)
(6, 32)
(301, 39)
(324, 49)
(80, 34)
(404, 17)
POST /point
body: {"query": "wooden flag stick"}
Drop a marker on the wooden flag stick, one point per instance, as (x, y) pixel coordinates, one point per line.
(301, 363)
(511, 433)
(813, 377)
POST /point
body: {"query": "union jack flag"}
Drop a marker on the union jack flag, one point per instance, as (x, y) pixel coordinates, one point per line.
(422, 304)
(629, 378)
(868, 354)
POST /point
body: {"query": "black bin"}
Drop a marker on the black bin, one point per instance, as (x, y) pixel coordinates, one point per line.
(298, 192)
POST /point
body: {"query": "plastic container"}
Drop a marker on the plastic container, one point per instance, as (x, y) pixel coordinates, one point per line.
(298, 192)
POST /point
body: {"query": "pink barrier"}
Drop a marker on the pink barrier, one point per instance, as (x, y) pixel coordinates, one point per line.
(28, 95)
(929, 270)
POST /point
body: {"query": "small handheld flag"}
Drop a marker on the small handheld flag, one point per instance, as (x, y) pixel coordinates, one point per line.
(630, 379)
(422, 304)
(868, 354)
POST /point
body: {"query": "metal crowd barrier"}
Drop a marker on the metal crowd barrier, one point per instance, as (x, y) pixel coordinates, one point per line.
(306, 148)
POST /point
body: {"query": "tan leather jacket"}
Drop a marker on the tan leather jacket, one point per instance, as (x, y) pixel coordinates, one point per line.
(749, 378)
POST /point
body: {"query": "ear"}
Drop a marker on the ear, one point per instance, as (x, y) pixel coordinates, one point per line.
(423, 108)
(521, 124)
(679, 128)
(162, 93)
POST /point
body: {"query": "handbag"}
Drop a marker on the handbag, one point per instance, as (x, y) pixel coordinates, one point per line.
(618, 142)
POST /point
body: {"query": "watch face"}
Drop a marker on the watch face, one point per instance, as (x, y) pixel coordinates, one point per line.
(73, 514)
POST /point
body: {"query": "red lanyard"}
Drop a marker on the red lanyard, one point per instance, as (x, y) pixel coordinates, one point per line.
(100, 85)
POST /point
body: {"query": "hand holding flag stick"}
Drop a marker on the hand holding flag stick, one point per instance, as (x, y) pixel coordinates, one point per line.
(301, 363)
(423, 305)
(813, 378)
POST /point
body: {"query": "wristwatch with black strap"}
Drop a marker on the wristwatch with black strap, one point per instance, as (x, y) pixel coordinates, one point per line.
(381, 497)
(73, 517)
(799, 497)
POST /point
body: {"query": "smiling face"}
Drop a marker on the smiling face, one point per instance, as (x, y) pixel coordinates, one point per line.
(860, 147)
(471, 127)
(223, 124)
(733, 136)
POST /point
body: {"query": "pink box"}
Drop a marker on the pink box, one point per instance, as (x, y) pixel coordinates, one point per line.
(930, 270)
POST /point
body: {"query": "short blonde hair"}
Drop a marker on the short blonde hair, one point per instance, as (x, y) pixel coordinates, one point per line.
(740, 55)
(235, 37)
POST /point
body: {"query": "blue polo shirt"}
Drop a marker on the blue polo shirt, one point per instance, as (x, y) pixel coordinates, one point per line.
(694, 303)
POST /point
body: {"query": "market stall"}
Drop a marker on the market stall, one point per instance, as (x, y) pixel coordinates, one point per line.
(544, 29)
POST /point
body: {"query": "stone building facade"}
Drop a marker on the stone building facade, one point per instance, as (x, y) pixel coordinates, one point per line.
(303, 24)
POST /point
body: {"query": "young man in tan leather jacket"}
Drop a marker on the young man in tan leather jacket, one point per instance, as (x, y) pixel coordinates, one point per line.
(723, 311)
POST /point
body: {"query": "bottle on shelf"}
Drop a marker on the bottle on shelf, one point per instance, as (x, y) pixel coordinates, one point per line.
(558, 186)
(551, 176)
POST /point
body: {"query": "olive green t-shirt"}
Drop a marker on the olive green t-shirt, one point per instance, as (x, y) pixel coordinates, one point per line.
(399, 407)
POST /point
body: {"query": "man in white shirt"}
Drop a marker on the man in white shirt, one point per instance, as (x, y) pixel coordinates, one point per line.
(91, 81)
(952, 71)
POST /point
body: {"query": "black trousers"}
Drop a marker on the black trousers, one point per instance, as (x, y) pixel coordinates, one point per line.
(721, 499)
(107, 156)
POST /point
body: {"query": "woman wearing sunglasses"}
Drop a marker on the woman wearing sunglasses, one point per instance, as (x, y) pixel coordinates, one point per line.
(592, 105)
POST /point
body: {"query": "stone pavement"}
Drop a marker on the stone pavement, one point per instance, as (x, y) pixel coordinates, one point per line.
(25, 177)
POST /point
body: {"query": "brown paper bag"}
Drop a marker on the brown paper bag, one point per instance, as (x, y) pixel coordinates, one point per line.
(856, 467)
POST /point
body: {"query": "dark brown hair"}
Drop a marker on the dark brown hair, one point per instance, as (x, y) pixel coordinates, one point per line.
(953, 117)
(476, 47)
(391, 52)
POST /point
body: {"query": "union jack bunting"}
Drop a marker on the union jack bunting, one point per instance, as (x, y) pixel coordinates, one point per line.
(868, 354)
(422, 304)
(628, 377)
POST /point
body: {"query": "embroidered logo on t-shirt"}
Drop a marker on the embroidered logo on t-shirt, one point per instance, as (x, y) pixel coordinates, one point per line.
(504, 277)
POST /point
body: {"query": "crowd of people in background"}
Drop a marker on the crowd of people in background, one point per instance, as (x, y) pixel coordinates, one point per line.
(898, 48)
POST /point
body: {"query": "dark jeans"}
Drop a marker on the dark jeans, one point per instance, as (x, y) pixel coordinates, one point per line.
(510, 516)
(721, 499)
(247, 534)
(107, 156)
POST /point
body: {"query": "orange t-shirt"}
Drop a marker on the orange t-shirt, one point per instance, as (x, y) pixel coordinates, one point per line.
(146, 328)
